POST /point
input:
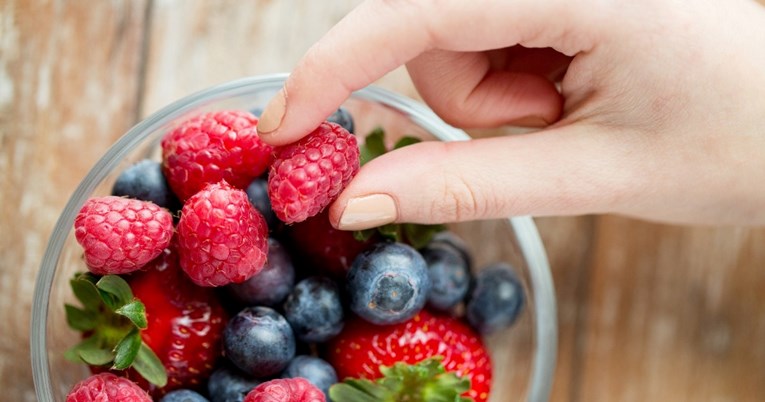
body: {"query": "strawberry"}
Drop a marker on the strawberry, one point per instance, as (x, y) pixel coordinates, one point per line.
(222, 238)
(307, 175)
(285, 390)
(360, 350)
(107, 387)
(120, 235)
(212, 147)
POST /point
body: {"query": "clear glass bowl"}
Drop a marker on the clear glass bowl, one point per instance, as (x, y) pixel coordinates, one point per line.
(523, 355)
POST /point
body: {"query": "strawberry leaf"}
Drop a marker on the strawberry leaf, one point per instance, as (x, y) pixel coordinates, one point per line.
(148, 365)
(418, 236)
(126, 350)
(135, 311)
(114, 291)
(406, 141)
(84, 288)
(79, 319)
(374, 146)
(91, 351)
(364, 235)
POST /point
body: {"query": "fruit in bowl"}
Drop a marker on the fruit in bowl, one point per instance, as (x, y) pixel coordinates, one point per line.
(210, 269)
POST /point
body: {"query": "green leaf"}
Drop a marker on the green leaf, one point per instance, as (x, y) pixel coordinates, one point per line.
(148, 365)
(135, 311)
(84, 288)
(114, 291)
(353, 390)
(391, 231)
(374, 146)
(91, 351)
(418, 236)
(127, 349)
(79, 319)
(364, 235)
(406, 141)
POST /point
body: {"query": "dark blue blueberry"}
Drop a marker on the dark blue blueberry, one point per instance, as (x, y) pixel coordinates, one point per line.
(145, 181)
(343, 118)
(183, 395)
(228, 384)
(388, 283)
(257, 192)
(317, 371)
(450, 239)
(271, 285)
(314, 310)
(259, 341)
(449, 276)
(496, 299)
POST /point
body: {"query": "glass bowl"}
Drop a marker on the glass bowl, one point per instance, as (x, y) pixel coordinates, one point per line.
(523, 356)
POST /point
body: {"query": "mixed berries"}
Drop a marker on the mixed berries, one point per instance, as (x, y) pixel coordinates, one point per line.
(214, 275)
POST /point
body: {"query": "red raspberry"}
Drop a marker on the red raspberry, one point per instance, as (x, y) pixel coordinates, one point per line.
(286, 390)
(107, 387)
(213, 147)
(222, 238)
(307, 175)
(121, 235)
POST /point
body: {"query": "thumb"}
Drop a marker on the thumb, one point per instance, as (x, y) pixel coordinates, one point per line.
(561, 171)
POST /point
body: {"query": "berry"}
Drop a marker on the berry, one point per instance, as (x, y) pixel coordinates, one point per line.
(317, 371)
(183, 395)
(120, 235)
(222, 237)
(185, 322)
(259, 341)
(324, 249)
(257, 193)
(212, 147)
(286, 390)
(343, 118)
(451, 240)
(314, 310)
(270, 286)
(228, 384)
(388, 283)
(145, 181)
(307, 175)
(449, 276)
(361, 348)
(496, 299)
(107, 387)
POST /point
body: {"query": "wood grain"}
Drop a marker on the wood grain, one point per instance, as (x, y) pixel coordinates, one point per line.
(647, 311)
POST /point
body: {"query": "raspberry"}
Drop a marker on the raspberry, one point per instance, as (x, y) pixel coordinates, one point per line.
(107, 387)
(222, 238)
(286, 390)
(213, 147)
(307, 175)
(121, 235)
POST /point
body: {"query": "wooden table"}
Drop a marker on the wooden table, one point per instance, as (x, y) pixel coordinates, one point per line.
(647, 312)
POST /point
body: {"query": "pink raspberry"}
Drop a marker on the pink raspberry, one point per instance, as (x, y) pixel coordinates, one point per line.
(120, 235)
(222, 238)
(213, 147)
(286, 390)
(307, 175)
(107, 387)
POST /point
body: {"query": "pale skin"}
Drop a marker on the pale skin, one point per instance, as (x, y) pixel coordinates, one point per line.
(660, 113)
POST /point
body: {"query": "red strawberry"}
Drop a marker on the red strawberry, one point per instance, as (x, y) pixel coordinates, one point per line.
(360, 350)
(324, 248)
(213, 147)
(285, 390)
(222, 238)
(107, 387)
(120, 235)
(307, 175)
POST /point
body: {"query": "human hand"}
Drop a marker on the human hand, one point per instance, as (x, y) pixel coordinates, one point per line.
(660, 114)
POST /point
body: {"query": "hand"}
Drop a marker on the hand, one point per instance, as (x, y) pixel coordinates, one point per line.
(660, 114)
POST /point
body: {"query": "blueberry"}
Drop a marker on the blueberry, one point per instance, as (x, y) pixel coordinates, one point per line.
(317, 371)
(257, 192)
(451, 240)
(183, 395)
(449, 276)
(388, 283)
(259, 341)
(343, 118)
(145, 181)
(314, 310)
(228, 384)
(496, 299)
(271, 285)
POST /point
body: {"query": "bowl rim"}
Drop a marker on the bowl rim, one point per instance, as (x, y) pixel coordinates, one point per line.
(529, 241)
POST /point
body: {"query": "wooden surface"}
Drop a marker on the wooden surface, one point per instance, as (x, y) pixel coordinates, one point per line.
(647, 311)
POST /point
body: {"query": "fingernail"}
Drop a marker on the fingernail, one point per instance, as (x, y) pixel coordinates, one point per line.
(368, 212)
(530, 121)
(273, 114)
